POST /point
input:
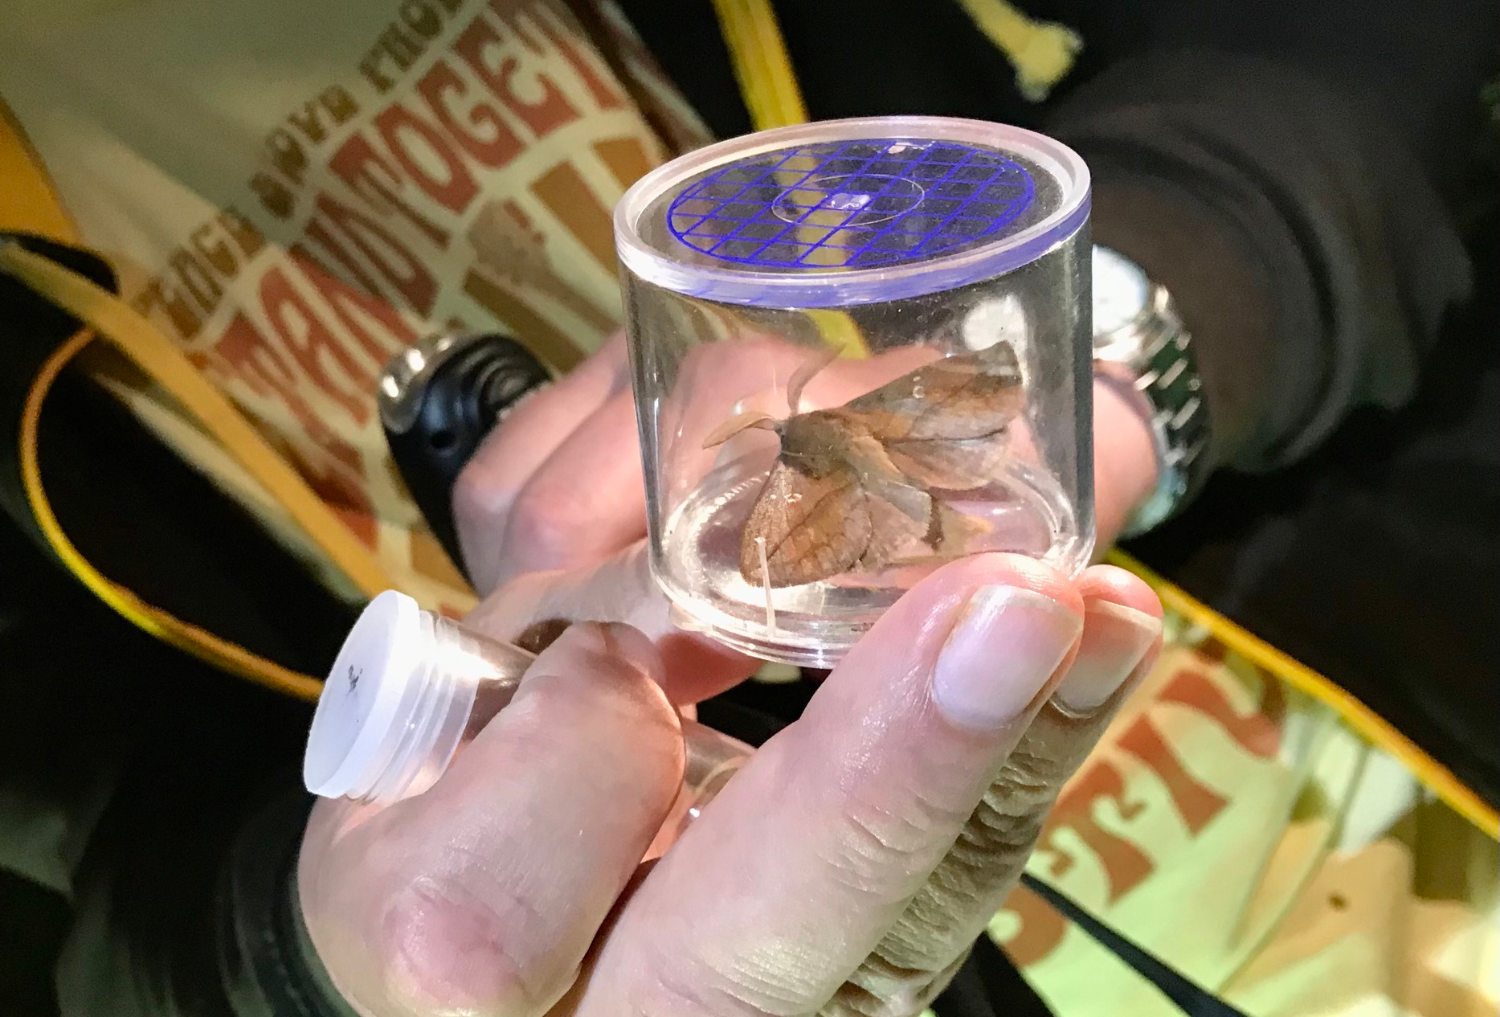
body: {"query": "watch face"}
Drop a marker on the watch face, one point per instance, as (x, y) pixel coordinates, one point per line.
(1120, 290)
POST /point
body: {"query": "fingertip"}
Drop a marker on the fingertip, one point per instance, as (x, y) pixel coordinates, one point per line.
(926, 618)
(635, 648)
(1001, 569)
(1118, 586)
(1121, 641)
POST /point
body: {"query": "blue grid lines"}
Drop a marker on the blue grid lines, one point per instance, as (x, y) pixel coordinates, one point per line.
(858, 204)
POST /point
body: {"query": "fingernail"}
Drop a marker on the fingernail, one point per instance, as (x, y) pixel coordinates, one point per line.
(1001, 654)
(1115, 639)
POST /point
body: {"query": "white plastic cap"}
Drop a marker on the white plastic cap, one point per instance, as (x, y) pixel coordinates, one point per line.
(388, 721)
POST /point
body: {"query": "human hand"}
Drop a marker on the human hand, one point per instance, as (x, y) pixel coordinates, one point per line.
(844, 870)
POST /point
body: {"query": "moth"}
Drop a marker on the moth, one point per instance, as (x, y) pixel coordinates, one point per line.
(852, 486)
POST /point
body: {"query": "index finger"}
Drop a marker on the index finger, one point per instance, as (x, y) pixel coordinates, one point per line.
(512, 452)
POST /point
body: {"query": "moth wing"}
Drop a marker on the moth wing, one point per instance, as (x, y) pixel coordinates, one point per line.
(814, 527)
(958, 398)
(957, 465)
(894, 535)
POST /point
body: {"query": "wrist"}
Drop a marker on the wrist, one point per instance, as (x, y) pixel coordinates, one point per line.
(1144, 354)
(1126, 465)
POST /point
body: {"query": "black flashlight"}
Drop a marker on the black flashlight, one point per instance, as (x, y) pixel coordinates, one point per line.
(438, 399)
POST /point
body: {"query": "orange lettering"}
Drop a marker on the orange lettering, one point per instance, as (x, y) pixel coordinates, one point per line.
(308, 122)
(1041, 928)
(179, 312)
(548, 20)
(1195, 802)
(216, 253)
(287, 154)
(1258, 733)
(243, 231)
(275, 197)
(243, 354)
(339, 103)
(196, 279)
(494, 144)
(374, 323)
(314, 347)
(420, 18)
(317, 230)
(544, 115)
(402, 269)
(420, 150)
(1124, 864)
(343, 489)
(358, 164)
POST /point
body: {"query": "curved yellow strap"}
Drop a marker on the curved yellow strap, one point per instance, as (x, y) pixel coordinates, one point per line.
(159, 357)
(29, 203)
(771, 93)
(761, 64)
(199, 642)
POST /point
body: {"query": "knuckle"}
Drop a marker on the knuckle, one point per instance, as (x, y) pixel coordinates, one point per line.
(542, 525)
(485, 488)
(884, 848)
(443, 949)
(475, 494)
(881, 987)
(1009, 819)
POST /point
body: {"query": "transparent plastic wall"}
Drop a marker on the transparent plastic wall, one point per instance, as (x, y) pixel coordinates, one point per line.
(860, 348)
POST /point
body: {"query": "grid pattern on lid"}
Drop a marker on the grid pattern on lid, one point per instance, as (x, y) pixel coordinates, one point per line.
(853, 204)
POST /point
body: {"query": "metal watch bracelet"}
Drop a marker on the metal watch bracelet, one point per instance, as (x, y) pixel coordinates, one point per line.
(1154, 351)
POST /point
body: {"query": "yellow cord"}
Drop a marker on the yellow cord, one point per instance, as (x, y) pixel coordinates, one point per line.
(159, 357)
(199, 642)
(761, 65)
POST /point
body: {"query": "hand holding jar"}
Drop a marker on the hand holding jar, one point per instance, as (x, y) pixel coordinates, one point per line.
(848, 865)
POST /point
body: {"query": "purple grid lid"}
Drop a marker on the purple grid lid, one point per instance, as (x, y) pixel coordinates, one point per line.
(851, 211)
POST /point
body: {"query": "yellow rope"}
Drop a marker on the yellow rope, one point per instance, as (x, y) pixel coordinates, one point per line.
(160, 358)
(761, 64)
(200, 643)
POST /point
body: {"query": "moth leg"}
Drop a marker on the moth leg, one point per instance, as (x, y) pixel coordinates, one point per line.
(949, 532)
(805, 374)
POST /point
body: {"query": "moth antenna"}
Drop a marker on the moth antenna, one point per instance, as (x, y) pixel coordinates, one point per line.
(737, 423)
(805, 374)
(765, 582)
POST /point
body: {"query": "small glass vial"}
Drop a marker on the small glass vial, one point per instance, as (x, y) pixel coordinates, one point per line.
(860, 348)
(409, 689)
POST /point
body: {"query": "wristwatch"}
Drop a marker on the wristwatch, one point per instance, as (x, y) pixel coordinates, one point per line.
(1141, 346)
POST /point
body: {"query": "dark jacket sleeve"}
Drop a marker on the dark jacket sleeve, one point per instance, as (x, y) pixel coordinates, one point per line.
(1307, 248)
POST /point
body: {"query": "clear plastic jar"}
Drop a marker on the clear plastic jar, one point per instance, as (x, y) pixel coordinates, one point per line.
(860, 348)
